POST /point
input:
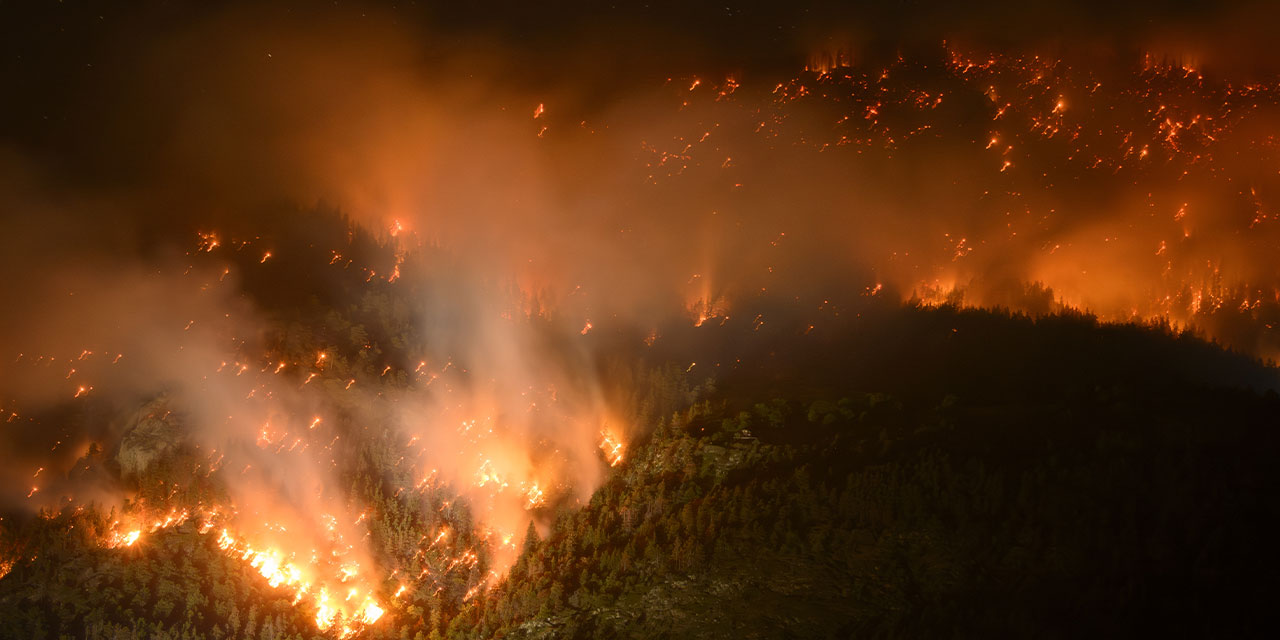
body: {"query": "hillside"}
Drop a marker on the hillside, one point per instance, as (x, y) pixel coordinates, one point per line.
(1072, 478)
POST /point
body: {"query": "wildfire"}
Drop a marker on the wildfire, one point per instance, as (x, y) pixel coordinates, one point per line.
(613, 447)
(534, 496)
(487, 475)
(1026, 114)
(208, 242)
(306, 578)
(703, 310)
(283, 570)
(126, 535)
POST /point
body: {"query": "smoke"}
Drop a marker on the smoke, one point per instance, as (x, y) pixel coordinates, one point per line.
(130, 306)
(561, 200)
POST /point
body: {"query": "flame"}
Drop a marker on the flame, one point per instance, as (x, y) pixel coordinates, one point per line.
(506, 466)
(613, 447)
(208, 242)
(307, 582)
(303, 576)
(703, 310)
(534, 496)
(128, 539)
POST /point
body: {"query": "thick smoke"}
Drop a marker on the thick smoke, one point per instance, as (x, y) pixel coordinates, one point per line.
(119, 359)
(570, 200)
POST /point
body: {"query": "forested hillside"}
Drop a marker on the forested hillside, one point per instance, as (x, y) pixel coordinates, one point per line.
(895, 471)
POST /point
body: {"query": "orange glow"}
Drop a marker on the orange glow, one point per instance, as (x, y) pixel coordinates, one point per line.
(672, 218)
(613, 447)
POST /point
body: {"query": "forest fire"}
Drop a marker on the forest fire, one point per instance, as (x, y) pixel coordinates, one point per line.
(613, 448)
(340, 591)
(348, 614)
(126, 535)
(405, 340)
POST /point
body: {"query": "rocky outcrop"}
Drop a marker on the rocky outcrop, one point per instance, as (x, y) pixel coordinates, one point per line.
(149, 435)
